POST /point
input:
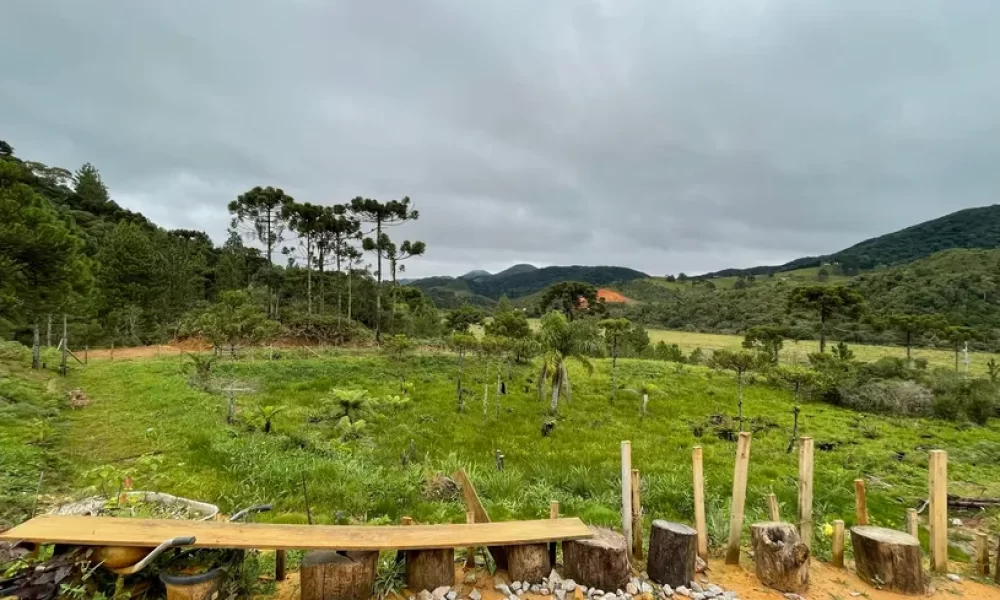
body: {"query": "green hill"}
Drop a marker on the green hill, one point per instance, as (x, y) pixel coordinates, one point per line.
(970, 228)
(516, 282)
(961, 285)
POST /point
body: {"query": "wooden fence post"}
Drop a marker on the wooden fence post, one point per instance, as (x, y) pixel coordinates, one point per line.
(636, 515)
(553, 514)
(470, 552)
(627, 494)
(279, 565)
(860, 502)
(773, 512)
(806, 446)
(982, 554)
(912, 522)
(838, 544)
(739, 498)
(700, 527)
(938, 479)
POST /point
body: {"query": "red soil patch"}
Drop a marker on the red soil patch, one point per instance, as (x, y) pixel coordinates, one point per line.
(611, 296)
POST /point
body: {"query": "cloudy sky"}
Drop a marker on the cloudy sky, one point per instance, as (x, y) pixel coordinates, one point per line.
(663, 135)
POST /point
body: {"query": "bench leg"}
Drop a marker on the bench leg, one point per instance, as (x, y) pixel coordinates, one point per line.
(430, 569)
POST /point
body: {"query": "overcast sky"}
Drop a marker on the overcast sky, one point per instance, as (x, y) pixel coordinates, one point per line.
(662, 135)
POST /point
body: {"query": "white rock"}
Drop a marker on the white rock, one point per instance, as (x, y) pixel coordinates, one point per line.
(544, 591)
(697, 596)
(610, 596)
(632, 589)
(424, 595)
(699, 564)
(791, 596)
(560, 594)
(439, 593)
(451, 595)
(554, 577)
(516, 586)
(569, 585)
(619, 592)
(696, 587)
(535, 588)
(956, 522)
(504, 589)
(683, 591)
(514, 597)
(646, 588)
(954, 578)
(729, 595)
(475, 595)
(669, 591)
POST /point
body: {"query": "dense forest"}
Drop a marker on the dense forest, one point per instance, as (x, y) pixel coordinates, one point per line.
(68, 249)
(972, 228)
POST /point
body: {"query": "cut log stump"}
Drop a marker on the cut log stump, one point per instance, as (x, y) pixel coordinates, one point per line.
(672, 551)
(528, 562)
(327, 575)
(781, 558)
(600, 562)
(430, 569)
(888, 558)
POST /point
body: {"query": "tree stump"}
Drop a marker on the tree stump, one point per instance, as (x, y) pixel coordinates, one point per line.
(528, 562)
(781, 558)
(600, 562)
(327, 575)
(430, 569)
(672, 550)
(888, 558)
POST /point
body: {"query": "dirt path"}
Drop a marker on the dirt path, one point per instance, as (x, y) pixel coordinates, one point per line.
(827, 583)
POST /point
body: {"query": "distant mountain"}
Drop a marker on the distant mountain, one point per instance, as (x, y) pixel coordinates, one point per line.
(517, 281)
(972, 228)
(475, 274)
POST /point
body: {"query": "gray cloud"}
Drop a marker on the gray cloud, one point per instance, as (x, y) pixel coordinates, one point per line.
(659, 134)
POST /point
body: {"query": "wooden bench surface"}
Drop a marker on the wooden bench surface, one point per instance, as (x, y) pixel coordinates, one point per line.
(112, 531)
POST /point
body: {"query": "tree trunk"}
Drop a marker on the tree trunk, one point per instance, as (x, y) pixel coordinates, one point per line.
(780, 557)
(378, 285)
(461, 357)
(956, 357)
(64, 363)
(350, 299)
(908, 342)
(528, 562)
(309, 277)
(340, 291)
(567, 387)
(645, 401)
(614, 368)
(822, 332)
(556, 377)
(430, 569)
(322, 280)
(327, 575)
(672, 552)
(887, 558)
(36, 350)
(48, 333)
(600, 562)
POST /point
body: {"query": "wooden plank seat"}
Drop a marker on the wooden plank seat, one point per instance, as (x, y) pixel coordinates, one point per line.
(112, 531)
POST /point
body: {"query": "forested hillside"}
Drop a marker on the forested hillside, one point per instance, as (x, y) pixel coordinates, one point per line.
(516, 282)
(960, 286)
(970, 228)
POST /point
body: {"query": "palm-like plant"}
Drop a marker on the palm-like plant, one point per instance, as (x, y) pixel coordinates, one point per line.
(265, 414)
(645, 391)
(348, 403)
(563, 340)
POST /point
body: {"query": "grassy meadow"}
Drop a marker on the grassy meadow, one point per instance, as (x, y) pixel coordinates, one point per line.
(147, 420)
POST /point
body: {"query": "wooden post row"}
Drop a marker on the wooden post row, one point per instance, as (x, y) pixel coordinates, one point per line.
(982, 554)
(636, 516)
(553, 514)
(860, 502)
(912, 522)
(627, 494)
(700, 527)
(806, 491)
(739, 498)
(938, 479)
(838, 544)
(470, 552)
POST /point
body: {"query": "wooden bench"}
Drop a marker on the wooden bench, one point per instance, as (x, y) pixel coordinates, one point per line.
(148, 533)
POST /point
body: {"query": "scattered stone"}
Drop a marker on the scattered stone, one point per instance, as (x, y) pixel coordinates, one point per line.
(667, 590)
(516, 586)
(451, 595)
(569, 585)
(729, 595)
(544, 591)
(514, 597)
(470, 577)
(855, 594)
(791, 596)
(619, 592)
(645, 587)
(554, 577)
(535, 588)
(696, 587)
(954, 578)
(632, 589)
(700, 565)
(560, 594)
(610, 596)
(683, 591)
(424, 595)
(475, 595)
(439, 593)
(503, 588)
(704, 579)
(697, 596)
(956, 522)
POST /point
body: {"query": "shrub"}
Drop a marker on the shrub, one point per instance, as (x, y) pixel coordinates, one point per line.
(697, 356)
(884, 368)
(14, 351)
(671, 353)
(894, 397)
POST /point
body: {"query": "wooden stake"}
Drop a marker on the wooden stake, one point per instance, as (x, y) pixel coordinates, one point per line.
(838, 544)
(64, 363)
(938, 479)
(627, 493)
(982, 554)
(112, 357)
(86, 354)
(279, 565)
(739, 498)
(636, 516)
(408, 520)
(912, 522)
(860, 502)
(806, 491)
(773, 512)
(470, 552)
(553, 514)
(697, 471)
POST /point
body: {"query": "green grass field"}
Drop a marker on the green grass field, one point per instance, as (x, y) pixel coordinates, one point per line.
(147, 421)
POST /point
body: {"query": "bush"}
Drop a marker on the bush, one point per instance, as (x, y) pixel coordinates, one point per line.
(15, 352)
(894, 397)
(671, 353)
(956, 397)
(884, 368)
